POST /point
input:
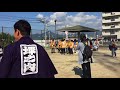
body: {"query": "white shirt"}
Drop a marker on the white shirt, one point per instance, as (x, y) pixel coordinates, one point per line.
(80, 49)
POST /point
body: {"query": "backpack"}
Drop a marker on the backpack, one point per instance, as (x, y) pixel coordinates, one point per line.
(110, 47)
(87, 53)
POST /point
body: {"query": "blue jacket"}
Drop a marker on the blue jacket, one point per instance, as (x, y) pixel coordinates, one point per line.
(10, 65)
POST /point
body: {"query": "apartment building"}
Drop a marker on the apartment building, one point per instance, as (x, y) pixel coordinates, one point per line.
(111, 25)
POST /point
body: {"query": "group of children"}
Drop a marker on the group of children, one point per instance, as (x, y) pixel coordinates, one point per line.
(64, 46)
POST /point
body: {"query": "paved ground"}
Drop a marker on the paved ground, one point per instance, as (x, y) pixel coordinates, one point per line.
(104, 65)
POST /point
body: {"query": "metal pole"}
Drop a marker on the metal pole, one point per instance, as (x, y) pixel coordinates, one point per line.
(41, 35)
(2, 38)
(45, 33)
(55, 30)
(49, 36)
(78, 36)
(2, 32)
(31, 33)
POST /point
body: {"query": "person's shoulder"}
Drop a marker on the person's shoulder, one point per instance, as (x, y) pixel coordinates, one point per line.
(9, 47)
(41, 50)
(13, 46)
(39, 46)
(80, 42)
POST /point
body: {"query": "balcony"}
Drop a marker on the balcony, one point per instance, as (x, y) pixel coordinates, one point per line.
(111, 27)
(106, 27)
(106, 21)
(111, 20)
(110, 14)
(116, 20)
(106, 14)
(117, 13)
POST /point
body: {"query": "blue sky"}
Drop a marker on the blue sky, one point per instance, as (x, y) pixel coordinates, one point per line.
(90, 19)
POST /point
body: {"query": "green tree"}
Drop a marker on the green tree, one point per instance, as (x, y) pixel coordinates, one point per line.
(6, 39)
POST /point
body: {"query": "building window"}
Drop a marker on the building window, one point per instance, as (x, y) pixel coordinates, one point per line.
(107, 19)
(112, 13)
(113, 19)
(112, 32)
(106, 25)
(112, 26)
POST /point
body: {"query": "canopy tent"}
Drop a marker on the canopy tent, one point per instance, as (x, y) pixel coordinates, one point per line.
(78, 28)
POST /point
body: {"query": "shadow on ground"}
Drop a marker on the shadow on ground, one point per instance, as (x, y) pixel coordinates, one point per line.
(108, 62)
(107, 55)
(78, 71)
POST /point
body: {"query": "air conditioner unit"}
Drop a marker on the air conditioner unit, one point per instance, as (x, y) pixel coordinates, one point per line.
(112, 13)
(112, 26)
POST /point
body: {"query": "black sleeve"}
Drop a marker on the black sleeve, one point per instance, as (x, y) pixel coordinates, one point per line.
(5, 63)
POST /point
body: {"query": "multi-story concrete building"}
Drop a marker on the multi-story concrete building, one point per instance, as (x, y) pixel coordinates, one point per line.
(111, 25)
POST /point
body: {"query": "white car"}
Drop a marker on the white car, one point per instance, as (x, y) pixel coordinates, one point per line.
(95, 48)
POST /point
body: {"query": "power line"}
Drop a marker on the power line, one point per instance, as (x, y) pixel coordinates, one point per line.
(13, 27)
(17, 17)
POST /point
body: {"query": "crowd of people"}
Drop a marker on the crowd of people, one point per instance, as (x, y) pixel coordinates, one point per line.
(69, 46)
(84, 58)
(64, 46)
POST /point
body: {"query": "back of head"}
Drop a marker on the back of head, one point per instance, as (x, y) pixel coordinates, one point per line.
(112, 40)
(23, 26)
(75, 40)
(82, 37)
(52, 39)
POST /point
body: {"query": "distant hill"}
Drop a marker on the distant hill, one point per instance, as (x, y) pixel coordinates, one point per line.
(53, 35)
(48, 34)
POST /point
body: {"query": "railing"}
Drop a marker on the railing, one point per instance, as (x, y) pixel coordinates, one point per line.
(110, 14)
(111, 27)
(112, 20)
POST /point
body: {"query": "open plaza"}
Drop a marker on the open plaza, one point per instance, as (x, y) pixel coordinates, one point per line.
(104, 66)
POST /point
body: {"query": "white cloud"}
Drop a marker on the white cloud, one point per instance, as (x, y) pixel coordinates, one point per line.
(81, 18)
(90, 17)
(39, 16)
(58, 15)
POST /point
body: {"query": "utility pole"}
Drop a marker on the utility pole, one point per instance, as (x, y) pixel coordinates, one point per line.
(44, 21)
(41, 36)
(2, 38)
(55, 30)
(45, 33)
(31, 33)
(49, 36)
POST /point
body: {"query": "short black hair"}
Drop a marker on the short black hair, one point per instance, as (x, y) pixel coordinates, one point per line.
(82, 37)
(23, 26)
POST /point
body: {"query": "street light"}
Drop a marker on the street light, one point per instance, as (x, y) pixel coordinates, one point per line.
(55, 30)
